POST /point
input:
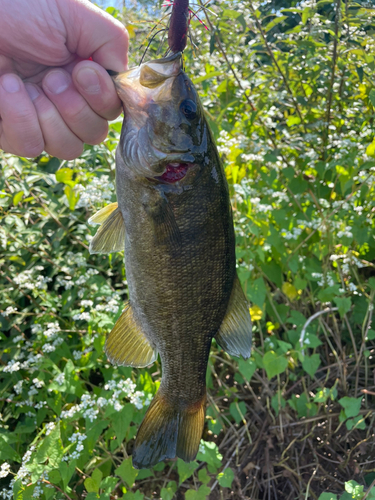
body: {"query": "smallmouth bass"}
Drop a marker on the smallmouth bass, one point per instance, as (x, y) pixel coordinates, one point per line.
(174, 220)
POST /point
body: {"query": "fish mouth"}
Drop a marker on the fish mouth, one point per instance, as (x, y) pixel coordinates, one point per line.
(174, 172)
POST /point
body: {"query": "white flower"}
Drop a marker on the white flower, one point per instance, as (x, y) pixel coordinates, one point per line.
(52, 330)
(86, 303)
(18, 387)
(60, 379)
(38, 383)
(49, 427)
(48, 348)
(12, 366)
(85, 316)
(9, 310)
(4, 470)
(77, 355)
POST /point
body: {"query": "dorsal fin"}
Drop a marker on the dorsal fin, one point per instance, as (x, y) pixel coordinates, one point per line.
(110, 237)
(235, 332)
(127, 345)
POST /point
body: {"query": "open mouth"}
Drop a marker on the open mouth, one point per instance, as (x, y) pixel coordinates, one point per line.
(174, 172)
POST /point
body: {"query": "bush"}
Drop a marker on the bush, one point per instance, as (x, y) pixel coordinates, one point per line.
(293, 117)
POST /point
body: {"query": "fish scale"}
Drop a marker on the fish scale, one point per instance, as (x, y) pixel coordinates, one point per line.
(174, 209)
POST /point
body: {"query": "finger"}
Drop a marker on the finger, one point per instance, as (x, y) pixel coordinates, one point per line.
(20, 132)
(76, 113)
(91, 32)
(96, 86)
(59, 140)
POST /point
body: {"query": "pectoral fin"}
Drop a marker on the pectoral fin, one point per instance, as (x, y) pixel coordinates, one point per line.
(166, 230)
(235, 332)
(110, 237)
(127, 345)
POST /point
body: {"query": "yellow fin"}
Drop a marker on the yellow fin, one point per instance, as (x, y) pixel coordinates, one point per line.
(103, 214)
(168, 431)
(190, 430)
(110, 237)
(235, 332)
(127, 345)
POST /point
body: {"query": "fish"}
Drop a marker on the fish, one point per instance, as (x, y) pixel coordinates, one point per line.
(173, 218)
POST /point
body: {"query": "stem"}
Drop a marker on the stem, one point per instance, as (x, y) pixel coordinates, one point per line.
(330, 88)
(272, 56)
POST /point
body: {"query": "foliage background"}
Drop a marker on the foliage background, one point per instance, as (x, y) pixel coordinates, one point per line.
(289, 91)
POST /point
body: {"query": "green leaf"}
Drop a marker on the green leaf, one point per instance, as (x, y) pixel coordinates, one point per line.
(67, 471)
(226, 477)
(277, 402)
(203, 476)
(201, 494)
(370, 150)
(354, 489)
(274, 364)
(311, 363)
(121, 421)
(127, 472)
(356, 422)
(327, 496)
(274, 22)
(247, 368)
(64, 175)
(293, 120)
(351, 405)
(17, 197)
(238, 411)
(343, 304)
(209, 453)
(7, 452)
(372, 97)
(72, 198)
(92, 484)
(168, 492)
(185, 469)
(371, 334)
(51, 448)
(329, 293)
(256, 292)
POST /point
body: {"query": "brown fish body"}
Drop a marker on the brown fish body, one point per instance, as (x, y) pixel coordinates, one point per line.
(179, 291)
(175, 216)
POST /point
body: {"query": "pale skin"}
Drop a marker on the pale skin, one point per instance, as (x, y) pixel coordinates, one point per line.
(51, 97)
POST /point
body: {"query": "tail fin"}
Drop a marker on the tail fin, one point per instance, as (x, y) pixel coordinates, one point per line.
(168, 431)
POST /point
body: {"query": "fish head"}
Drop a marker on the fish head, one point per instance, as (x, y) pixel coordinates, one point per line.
(164, 130)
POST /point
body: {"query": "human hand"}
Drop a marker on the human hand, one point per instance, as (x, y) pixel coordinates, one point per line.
(51, 97)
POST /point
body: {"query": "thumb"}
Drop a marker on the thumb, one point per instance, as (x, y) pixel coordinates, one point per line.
(91, 32)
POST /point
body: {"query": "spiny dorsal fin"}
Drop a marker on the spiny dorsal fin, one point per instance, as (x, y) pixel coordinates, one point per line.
(127, 345)
(234, 335)
(110, 237)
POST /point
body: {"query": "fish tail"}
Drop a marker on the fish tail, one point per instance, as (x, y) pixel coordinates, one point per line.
(168, 431)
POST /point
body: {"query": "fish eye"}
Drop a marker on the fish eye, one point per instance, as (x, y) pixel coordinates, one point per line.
(189, 109)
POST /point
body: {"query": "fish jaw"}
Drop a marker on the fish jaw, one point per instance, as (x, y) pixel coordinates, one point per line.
(164, 122)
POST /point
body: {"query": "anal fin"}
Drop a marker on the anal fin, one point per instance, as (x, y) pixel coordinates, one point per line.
(127, 345)
(235, 332)
(110, 237)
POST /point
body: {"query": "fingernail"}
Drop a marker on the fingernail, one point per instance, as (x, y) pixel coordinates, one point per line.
(88, 79)
(32, 90)
(57, 81)
(10, 83)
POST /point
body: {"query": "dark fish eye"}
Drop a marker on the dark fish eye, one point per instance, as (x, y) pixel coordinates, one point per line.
(189, 109)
